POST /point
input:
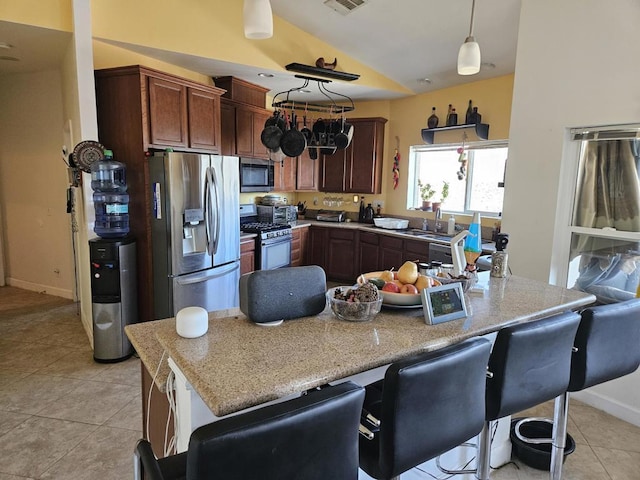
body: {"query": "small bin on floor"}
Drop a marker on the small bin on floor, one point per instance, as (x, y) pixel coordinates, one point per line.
(536, 456)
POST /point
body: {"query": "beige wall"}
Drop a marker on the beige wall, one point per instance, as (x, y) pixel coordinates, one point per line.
(33, 183)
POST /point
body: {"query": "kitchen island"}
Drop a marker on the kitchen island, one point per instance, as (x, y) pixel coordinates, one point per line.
(239, 365)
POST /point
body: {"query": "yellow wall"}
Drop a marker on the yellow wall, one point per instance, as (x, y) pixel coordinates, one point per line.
(54, 14)
(408, 116)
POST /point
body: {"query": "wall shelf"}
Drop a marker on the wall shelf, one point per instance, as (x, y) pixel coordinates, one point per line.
(482, 131)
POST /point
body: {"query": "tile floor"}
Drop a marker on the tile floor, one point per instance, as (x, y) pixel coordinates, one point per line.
(63, 416)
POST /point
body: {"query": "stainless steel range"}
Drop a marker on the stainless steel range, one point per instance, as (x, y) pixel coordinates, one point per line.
(273, 243)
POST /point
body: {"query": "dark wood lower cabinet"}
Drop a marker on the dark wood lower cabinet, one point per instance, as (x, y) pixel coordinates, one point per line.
(391, 255)
(368, 252)
(247, 256)
(317, 247)
(342, 255)
(415, 250)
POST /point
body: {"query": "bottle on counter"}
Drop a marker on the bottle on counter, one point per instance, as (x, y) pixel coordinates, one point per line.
(451, 225)
(361, 211)
(473, 243)
(368, 214)
(500, 258)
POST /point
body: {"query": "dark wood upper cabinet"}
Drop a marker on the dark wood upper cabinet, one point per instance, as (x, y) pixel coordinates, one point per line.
(204, 119)
(167, 113)
(358, 168)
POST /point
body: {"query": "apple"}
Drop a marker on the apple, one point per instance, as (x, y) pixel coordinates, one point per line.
(391, 287)
(408, 288)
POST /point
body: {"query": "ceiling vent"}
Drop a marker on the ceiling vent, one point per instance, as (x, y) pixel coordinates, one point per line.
(344, 7)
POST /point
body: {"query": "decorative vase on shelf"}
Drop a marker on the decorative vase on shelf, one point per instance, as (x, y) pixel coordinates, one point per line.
(467, 118)
(452, 119)
(432, 121)
(475, 116)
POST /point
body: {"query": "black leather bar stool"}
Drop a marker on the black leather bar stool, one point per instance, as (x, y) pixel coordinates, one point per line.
(312, 437)
(607, 346)
(425, 406)
(529, 365)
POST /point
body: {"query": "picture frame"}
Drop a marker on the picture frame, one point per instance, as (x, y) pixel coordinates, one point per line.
(443, 303)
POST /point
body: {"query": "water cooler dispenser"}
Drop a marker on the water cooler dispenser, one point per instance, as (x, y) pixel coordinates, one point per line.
(113, 296)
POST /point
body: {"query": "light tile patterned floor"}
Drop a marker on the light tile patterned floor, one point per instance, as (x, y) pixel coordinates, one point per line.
(65, 417)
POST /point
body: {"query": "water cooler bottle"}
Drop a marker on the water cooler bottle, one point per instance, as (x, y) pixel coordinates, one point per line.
(113, 296)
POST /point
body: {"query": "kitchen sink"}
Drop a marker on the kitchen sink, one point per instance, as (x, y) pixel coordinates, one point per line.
(430, 235)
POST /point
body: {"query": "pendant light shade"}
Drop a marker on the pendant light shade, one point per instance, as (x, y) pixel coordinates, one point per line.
(469, 55)
(258, 19)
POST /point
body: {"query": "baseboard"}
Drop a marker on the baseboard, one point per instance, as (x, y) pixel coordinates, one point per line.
(36, 287)
(608, 405)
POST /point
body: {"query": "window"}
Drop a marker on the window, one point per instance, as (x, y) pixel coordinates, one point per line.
(476, 188)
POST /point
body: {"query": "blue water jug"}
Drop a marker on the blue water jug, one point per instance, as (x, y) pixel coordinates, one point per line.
(110, 197)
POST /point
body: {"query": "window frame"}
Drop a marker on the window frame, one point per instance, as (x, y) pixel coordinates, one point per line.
(412, 187)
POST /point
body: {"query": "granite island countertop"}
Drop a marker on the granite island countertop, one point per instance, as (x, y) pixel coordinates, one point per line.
(239, 364)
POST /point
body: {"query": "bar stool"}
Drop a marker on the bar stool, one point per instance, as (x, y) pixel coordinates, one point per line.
(529, 365)
(607, 346)
(314, 437)
(425, 406)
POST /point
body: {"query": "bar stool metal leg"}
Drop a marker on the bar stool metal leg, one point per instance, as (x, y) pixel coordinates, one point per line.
(484, 452)
(560, 417)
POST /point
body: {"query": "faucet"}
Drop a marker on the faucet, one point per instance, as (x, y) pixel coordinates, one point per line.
(438, 225)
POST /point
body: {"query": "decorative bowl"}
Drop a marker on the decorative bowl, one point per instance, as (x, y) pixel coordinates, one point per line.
(391, 223)
(352, 311)
(469, 281)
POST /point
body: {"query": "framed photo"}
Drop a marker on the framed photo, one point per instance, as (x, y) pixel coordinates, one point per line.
(443, 303)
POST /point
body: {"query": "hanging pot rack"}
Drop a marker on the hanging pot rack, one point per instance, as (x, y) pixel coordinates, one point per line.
(332, 108)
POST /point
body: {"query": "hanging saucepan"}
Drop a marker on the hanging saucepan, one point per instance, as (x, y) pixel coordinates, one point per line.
(272, 133)
(344, 136)
(293, 141)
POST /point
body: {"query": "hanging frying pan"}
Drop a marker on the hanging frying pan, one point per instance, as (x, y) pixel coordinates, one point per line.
(87, 152)
(293, 141)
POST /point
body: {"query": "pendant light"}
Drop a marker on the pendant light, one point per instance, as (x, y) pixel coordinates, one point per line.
(469, 54)
(258, 19)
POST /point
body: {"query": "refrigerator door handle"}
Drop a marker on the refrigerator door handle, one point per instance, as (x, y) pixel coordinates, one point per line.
(208, 206)
(219, 272)
(215, 212)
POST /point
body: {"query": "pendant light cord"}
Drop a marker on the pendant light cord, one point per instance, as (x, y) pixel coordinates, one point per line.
(473, 9)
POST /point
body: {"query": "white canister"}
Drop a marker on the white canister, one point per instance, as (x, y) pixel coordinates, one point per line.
(192, 322)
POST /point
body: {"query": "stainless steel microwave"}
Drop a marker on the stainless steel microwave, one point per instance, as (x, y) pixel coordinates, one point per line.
(256, 175)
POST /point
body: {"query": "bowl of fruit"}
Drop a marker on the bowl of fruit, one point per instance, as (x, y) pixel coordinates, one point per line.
(359, 303)
(400, 288)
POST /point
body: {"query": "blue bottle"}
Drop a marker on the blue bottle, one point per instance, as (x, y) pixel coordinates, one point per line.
(473, 243)
(110, 197)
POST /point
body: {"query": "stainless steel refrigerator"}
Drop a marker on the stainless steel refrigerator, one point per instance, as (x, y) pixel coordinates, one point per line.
(195, 228)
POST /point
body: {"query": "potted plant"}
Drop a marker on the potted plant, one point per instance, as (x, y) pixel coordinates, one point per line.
(445, 191)
(426, 193)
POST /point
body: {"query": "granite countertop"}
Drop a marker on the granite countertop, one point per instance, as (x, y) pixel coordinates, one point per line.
(239, 364)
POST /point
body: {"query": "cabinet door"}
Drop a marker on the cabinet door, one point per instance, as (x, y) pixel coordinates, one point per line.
(364, 159)
(167, 113)
(227, 129)
(244, 132)
(416, 250)
(307, 173)
(368, 252)
(333, 171)
(247, 256)
(316, 252)
(284, 175)
(390, 253)
(204, 120)
(341, 256)
(259, 119)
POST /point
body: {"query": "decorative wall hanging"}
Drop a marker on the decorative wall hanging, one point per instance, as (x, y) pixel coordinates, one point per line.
(396, 165)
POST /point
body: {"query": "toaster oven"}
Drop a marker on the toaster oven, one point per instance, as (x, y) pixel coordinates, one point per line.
(278, 214)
